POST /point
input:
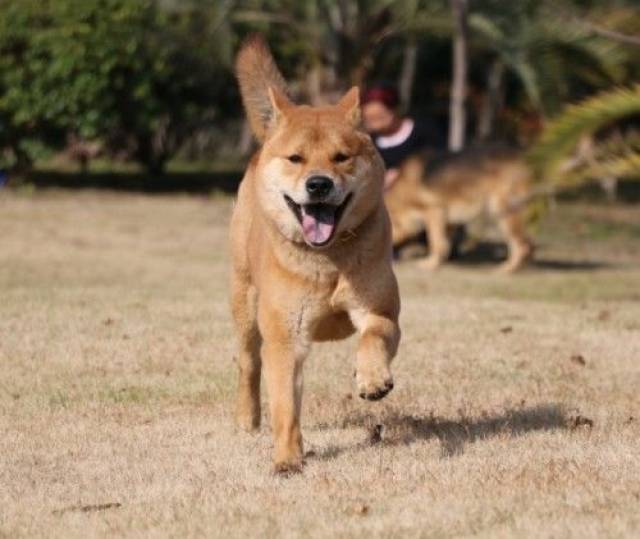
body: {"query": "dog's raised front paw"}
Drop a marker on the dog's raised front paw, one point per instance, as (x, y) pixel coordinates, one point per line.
(373, 388)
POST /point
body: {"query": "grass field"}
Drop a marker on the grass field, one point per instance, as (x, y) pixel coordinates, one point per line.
(515, 413)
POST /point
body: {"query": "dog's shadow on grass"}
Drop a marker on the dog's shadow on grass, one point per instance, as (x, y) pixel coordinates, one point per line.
(486, 253)
(396, 429)
(490, 253)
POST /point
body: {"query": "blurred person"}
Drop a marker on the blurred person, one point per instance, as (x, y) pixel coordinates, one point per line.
(396, 136)
(399, 137)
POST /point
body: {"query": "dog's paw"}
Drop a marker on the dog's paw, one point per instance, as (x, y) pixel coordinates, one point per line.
(507, 268)
(510, 266)
(248, 424)
(288, 468)
(374, 388)
(430, 263)
(248, 419)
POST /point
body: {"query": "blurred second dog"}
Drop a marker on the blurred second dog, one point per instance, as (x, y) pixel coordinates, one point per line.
(434, 195)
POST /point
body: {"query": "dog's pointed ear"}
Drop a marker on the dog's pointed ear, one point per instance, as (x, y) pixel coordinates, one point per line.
(350, 105)
(280, 104)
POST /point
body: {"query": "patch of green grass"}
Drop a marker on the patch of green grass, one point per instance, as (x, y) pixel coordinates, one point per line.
(59, 399)
(572, 288)
(598, 229)
(133, 394)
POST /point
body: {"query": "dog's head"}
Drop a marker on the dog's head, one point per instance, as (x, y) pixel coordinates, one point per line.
(318, 174)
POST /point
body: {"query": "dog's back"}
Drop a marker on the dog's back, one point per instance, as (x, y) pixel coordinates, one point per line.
(490, 179)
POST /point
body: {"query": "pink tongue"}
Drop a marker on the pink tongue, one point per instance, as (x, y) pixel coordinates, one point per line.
(316, 231)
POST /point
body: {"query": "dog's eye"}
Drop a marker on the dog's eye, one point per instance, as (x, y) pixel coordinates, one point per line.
(295, 158)
(340, 157)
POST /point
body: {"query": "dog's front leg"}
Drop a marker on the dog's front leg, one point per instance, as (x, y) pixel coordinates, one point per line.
(378, 344)
(284, 349)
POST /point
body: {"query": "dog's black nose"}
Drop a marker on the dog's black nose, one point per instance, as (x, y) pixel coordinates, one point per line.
(319, 186)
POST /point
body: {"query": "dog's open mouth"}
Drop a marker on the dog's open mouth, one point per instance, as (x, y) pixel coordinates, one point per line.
(318, 221)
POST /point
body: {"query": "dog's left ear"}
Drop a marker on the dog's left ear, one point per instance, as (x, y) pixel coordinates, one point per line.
(280, 104)
(350, 105)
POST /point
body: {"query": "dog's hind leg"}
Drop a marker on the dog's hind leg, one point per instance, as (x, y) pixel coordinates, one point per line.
(436, 221)
(401, 231)
(243, 306)
(520, 247)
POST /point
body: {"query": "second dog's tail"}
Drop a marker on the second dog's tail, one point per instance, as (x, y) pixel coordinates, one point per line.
(257, 72)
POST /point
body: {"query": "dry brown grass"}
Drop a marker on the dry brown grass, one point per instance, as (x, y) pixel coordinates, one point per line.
(117, 382)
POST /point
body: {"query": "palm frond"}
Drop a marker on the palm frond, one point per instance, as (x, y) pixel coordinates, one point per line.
(561, 136)
(621, 167)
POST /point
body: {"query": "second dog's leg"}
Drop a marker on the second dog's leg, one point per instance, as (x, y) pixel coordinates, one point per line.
(520, 248)
(436, 221)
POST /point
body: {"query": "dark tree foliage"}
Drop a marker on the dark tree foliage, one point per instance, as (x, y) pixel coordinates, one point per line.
(136, 76)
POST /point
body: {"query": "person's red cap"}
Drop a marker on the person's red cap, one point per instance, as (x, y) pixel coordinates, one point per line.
(383, 94)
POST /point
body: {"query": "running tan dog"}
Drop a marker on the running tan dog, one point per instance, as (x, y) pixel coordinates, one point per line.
(492, 181)
(311, 246)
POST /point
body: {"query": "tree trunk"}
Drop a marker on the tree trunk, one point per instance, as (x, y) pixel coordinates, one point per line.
(457, 113)
(492, 102)
(314, 84)
(408, 74)
(23, 161)
(147, 153)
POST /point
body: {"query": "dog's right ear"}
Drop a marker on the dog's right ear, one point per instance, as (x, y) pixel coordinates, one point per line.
(263, 89)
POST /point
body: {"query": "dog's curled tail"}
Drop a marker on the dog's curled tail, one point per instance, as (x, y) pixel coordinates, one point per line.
(257, 72)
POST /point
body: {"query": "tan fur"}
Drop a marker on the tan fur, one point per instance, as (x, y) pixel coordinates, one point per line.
(493, 182)
(286, 294)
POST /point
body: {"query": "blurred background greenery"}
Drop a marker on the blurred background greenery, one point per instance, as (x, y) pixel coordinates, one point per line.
(147, 85)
